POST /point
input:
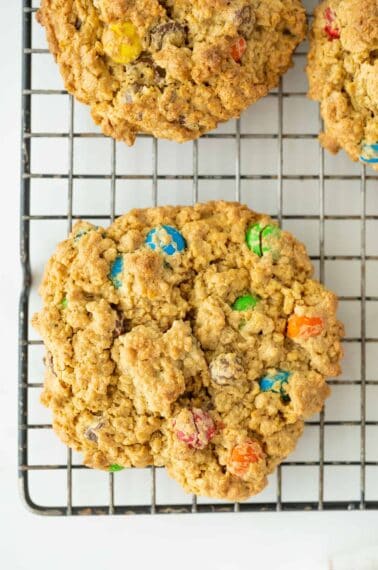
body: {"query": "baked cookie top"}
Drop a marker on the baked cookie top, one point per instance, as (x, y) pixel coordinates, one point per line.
(189, 337)
(173, 68)
(343, 75)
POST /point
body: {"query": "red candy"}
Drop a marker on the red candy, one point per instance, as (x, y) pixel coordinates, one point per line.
(195, 428)
(243, 455)
(332, 33)
(238, 49)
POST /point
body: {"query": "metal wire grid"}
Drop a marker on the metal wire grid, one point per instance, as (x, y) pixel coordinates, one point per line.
(25, 385)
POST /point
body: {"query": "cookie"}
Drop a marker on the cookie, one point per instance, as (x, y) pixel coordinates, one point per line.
(343, 75)
(172, 68)
(187, 337)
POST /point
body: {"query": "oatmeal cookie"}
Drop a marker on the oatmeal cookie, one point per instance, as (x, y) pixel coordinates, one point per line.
(343, 75)
(187, 337)
(173, 68)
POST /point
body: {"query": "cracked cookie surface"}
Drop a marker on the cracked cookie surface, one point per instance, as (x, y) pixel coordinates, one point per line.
(343, 75)
(172, 68)
(187, 337)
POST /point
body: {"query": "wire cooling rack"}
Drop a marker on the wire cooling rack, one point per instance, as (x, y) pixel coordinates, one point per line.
(269, 159)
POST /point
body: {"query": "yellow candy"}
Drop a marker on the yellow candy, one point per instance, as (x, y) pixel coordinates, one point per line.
(121, 42)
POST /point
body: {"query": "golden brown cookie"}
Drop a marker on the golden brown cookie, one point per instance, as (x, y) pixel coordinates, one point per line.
(343, 75)
(189, 337)
(173, 68)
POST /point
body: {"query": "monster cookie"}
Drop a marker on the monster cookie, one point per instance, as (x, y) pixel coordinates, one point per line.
(187, 337)
(173, 68)
(343, 75)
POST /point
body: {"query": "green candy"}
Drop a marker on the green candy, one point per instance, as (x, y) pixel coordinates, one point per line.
(252, 238)
(259, 239)
(245, 302)
(64, 303)
(115, 467)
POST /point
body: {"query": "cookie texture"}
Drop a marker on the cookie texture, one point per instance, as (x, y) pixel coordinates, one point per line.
(343, 75)
(172, 68)
(187, 337)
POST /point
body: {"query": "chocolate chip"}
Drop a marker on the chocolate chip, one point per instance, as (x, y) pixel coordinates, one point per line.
(169, 32)
(88, 296)
(78, 24)
(245, 19)
(91, 434)
(49, 362)
(122, 325)
(226, 369)
(132, 92)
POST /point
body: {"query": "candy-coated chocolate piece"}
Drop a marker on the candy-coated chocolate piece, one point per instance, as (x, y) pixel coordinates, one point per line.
(252, 238)
(115, 270)
(121, 42)
(194, 427)
(245, 302)
(304, 327)
(238, 48)
(166, 239)
(243, 455)
(260, 238)
(275, 383)
(115, 467)
(332, 32)
(369, 154)
(64, 303)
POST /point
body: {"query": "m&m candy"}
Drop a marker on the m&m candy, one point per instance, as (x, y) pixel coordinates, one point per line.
(237, 49)
(194, 427)
(64, 303)
(166, 239)
(304, 327)
(261, 239)
(332, 32)
(116, 269)
(243, 455)
(245, 302)
(115, 467)
(369, 153)
(121, 42)
(275, 383)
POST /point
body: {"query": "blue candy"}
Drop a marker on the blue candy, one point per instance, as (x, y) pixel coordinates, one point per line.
(370, 153)
(115, 269)
(267, 383)
(156, 239)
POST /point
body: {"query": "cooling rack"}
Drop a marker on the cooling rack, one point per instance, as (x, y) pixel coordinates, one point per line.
(269, 159)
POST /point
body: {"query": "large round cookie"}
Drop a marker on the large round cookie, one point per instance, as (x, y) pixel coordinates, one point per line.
(343, 75)
(173, 68)
(190, 337)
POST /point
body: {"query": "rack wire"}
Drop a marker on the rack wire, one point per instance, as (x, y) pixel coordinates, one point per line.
(271, 187)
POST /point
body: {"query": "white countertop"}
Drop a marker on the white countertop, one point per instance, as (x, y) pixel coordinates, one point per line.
(291, 541)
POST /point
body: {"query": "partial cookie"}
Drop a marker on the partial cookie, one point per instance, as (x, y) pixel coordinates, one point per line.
(343, 75)
(172, 68)
(187, 337)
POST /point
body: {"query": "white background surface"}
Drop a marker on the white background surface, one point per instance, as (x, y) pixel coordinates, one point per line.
(302, 541)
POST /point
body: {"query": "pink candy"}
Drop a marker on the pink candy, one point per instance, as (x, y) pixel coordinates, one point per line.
(195, 428)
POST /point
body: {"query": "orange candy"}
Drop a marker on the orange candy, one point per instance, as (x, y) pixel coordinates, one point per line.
(238, 49)
(304, 327)
(243, 454)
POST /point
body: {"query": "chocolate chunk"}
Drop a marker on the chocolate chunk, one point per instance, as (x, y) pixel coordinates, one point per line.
(78, 24)
(245, 19)
(169, 32)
